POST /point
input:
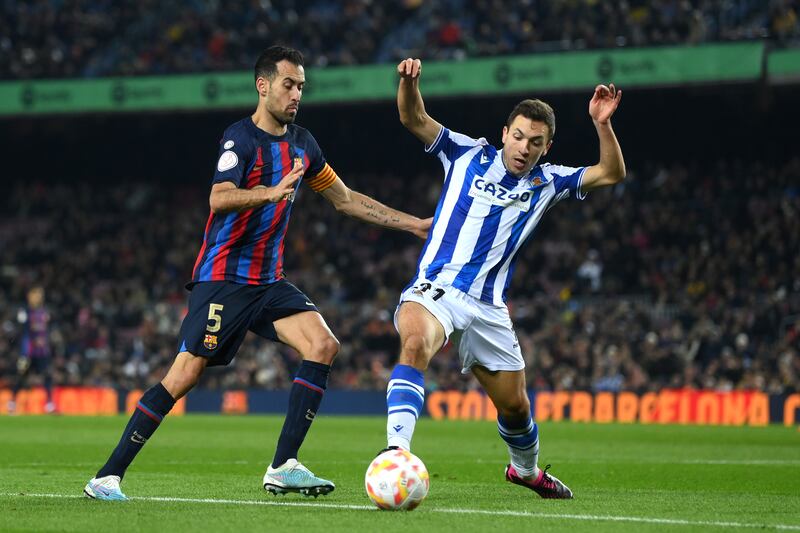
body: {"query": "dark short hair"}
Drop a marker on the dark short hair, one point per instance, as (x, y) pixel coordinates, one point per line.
(267, 63)
(535, 110)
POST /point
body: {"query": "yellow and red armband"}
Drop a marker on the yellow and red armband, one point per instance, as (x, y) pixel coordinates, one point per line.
(323, 179)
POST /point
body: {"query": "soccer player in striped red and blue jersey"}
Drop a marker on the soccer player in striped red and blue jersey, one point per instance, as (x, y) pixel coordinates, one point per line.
(238, 283)
(35, 352)
(491, 203)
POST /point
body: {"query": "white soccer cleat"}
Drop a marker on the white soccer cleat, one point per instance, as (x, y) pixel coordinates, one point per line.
(292, 476)
(104, 488)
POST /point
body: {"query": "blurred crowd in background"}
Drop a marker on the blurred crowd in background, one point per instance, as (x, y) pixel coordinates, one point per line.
(685, 275)
(91, 38)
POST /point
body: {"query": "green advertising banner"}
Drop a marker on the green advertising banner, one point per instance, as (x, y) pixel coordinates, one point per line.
(784, 65)
(499, 75)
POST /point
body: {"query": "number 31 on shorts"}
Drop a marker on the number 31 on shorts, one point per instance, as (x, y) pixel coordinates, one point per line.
(214, 317)
(423, 288)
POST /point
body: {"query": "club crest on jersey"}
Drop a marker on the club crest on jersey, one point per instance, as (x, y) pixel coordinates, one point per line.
(496, 194)
(537, 181)
(210, 342)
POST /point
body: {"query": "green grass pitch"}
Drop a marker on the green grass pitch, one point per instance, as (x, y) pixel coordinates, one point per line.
(203, 473)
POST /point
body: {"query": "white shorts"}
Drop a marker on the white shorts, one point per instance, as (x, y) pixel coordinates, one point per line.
(482, 332)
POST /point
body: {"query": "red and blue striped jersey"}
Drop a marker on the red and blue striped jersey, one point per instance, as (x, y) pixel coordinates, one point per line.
(35, 334)
(247, 246)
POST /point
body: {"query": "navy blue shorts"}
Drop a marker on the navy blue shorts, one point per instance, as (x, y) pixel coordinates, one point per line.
(40, 365)
(221, 313)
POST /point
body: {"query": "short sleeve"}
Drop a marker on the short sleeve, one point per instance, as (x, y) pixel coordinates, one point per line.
(318, 175)
(315, 159)
(567, 181)
(450, 145)
(235, 154)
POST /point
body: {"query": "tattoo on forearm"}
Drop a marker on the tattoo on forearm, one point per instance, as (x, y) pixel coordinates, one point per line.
(381, 216)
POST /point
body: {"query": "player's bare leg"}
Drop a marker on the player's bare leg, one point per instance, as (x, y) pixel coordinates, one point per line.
(421, 336)
(516, 426)
(23, 368)
(154, 405)
(307, 333)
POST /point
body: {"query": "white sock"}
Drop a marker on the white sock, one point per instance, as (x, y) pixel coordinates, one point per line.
(525, 461)
(405, 397)
(400, 429)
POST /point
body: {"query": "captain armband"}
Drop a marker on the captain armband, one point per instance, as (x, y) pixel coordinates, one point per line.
(323, 179)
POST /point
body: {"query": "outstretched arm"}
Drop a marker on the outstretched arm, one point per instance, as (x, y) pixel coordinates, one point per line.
(227, 197)
(410, 104)
(363, 207)
(611, 168)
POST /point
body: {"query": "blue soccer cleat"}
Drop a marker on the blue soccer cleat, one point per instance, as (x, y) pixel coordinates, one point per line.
(292, 476)
(104, 488)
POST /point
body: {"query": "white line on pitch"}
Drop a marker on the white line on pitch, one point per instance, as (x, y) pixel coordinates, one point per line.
(558, 516)
(742, 462)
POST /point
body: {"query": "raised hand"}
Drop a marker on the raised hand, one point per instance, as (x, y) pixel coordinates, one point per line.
(410, 69)
(604, 102)
(285, 188)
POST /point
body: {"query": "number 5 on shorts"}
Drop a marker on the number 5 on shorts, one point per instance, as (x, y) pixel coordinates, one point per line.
(214, 318)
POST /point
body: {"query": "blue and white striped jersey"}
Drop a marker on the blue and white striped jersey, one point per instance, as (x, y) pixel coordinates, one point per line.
(485, 215)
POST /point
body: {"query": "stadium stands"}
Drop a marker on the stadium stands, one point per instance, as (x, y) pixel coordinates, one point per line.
(93, 38)
(682, 276)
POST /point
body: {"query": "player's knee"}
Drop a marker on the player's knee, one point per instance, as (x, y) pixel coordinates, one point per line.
(416, 352)
(324, 350)
(179, 383)
(183, 375)
(516, 406)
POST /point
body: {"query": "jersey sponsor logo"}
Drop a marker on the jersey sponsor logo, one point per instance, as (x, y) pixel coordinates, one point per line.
(210, 342)
(496, 194)
(227, 161)
(228, 145)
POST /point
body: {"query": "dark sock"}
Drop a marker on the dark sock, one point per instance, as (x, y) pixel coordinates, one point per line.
(156, 402)
(304, 399)
(21, 379)
(48, 387)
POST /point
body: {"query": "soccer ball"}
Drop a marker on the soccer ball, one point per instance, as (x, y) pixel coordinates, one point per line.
(397, 480)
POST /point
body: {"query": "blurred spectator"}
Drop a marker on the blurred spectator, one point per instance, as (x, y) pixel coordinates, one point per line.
(590, 271)
(91, 38)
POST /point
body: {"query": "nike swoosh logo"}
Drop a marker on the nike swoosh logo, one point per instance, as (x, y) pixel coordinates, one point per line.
(309, 303)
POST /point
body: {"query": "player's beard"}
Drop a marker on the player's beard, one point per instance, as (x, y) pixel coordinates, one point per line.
(282, 117)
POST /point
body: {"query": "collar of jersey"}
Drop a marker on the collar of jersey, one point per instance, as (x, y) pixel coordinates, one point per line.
(261, 133)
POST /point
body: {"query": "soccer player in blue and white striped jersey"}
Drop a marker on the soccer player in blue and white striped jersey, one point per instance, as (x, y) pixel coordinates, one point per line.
(491, 203)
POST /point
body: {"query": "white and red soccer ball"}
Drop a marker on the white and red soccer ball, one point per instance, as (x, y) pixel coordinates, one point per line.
(397, 480)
